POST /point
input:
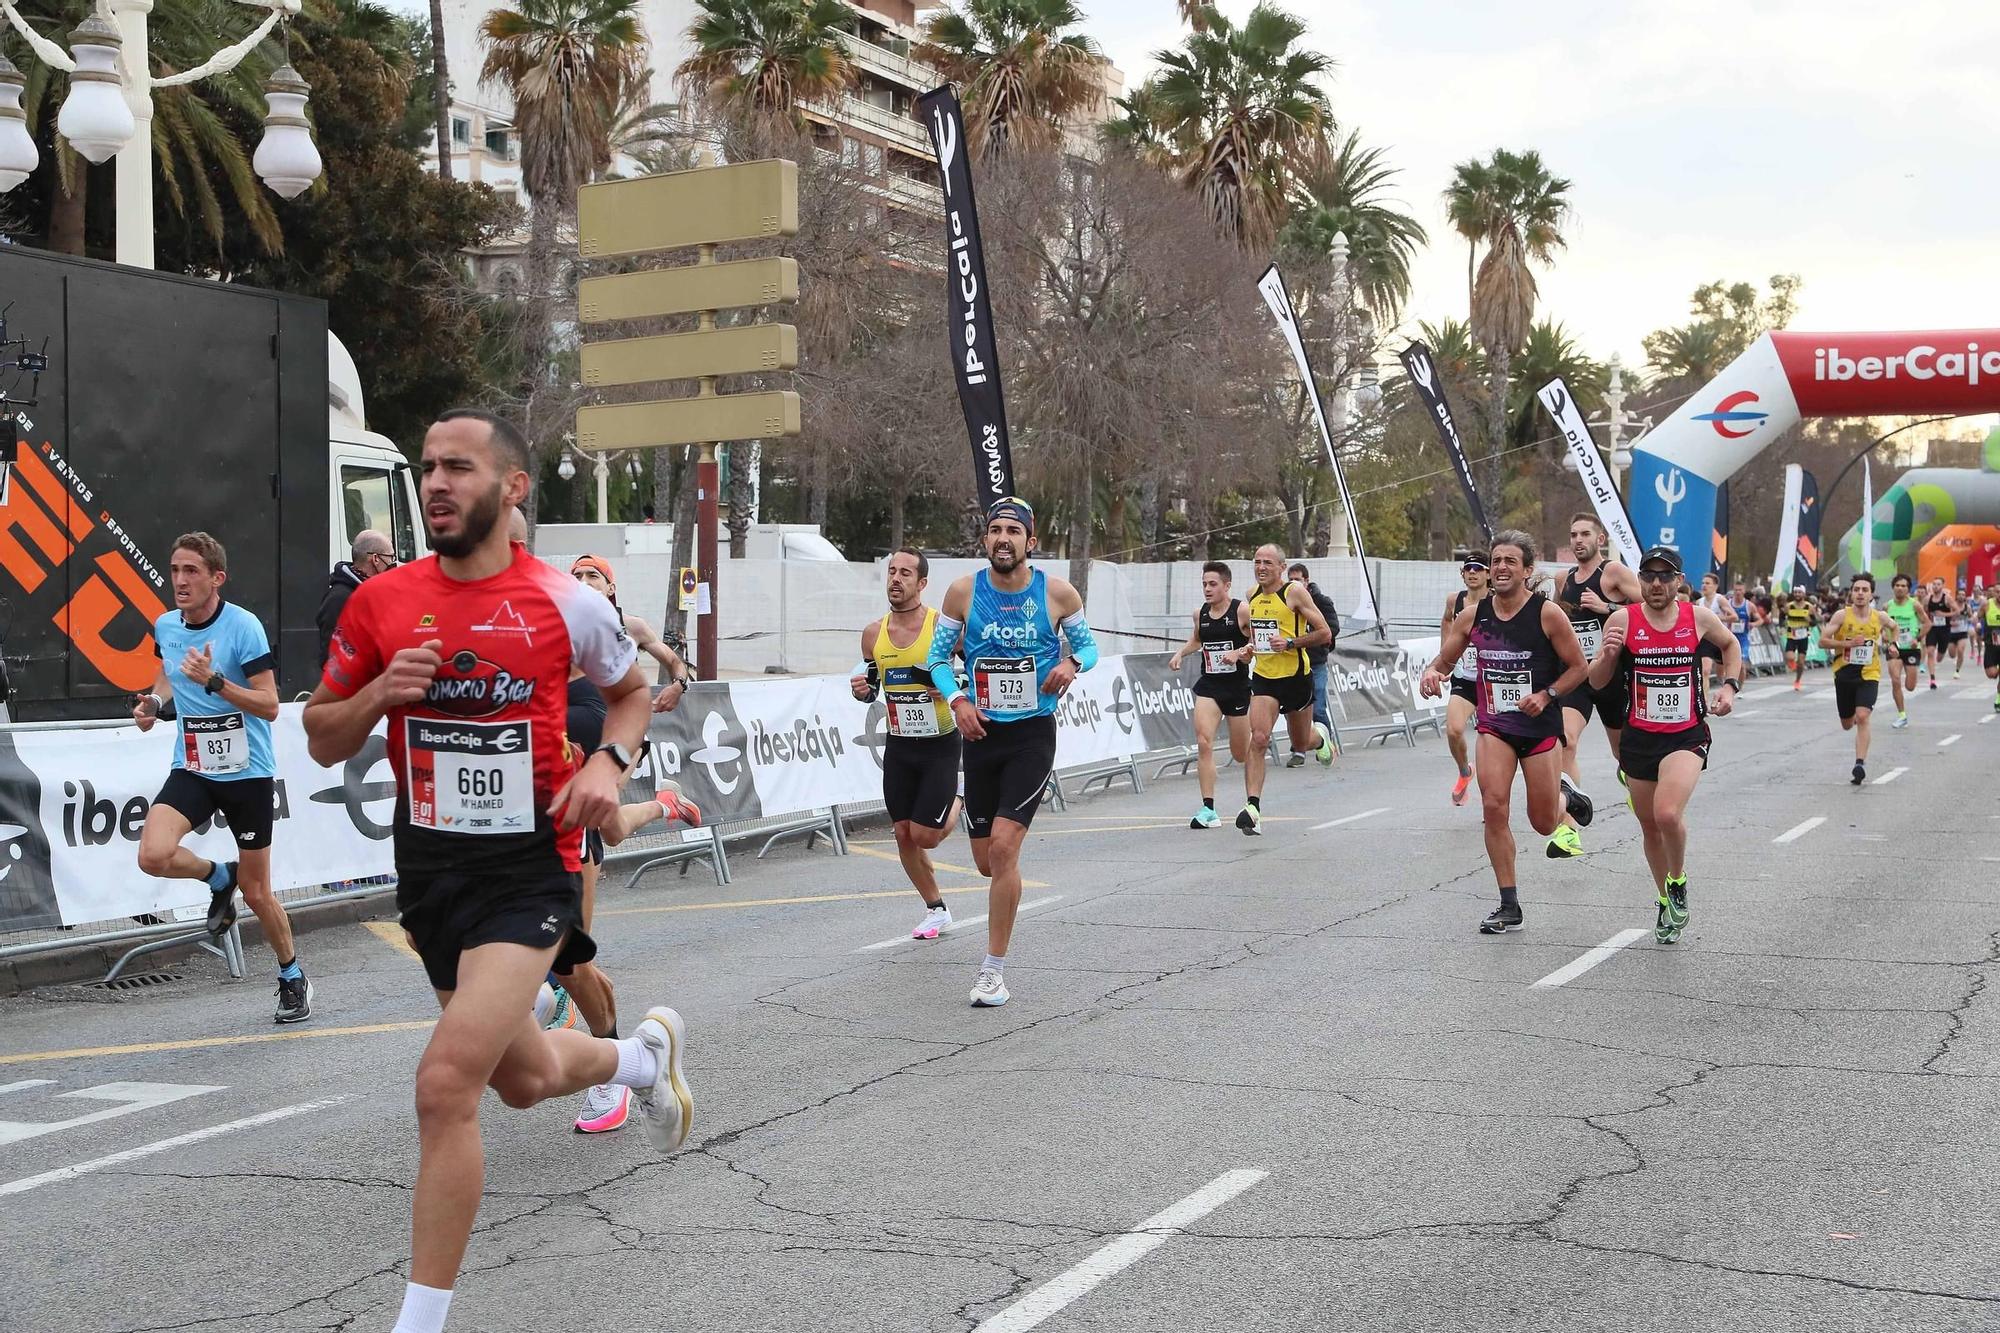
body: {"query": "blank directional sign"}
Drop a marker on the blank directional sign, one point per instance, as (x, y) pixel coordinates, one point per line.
(745, 201)
(736, 416)
(688, 287)
(683, 356)
(124, 1099)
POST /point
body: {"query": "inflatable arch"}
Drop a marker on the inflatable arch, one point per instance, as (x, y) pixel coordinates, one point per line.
(1782, 377)
(1962, 546)
(1923, 505)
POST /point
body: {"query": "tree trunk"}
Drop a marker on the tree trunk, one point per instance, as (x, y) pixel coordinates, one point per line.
(441, 94)
(742, 473)
(67, 213)
(536, 321)
(1198, 523)
(899, 499)
(822, 483)
(1439, 546)
(1084, 504)
(1471, 253)
(1494, 468)
(663, 486)
(1114, 518)
(971, 523)
(1151, 516)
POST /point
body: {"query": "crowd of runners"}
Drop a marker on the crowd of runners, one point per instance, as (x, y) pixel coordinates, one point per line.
(516, 712)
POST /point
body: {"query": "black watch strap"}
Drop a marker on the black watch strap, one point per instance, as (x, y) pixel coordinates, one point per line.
(619, 753)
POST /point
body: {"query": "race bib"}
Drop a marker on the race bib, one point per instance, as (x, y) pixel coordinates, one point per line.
(912, 715)
(1861, 654)
(471, 777)
(1468, 665)
(1906, 638)
(1215, 659)
(1264, 635)
(1590, 634)
(215, 745)
(1666, 699)
(1506, 689)
(1004, 684)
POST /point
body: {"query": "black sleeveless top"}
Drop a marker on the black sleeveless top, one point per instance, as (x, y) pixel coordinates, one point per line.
(1219, 635)
(1516, 659)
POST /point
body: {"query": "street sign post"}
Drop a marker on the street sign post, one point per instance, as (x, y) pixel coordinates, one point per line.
(702, 208)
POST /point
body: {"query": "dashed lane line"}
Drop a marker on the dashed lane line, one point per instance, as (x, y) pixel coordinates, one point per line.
(1952, 739)
(1571, 971)
(955, 926)
(1349, 819)
(1890, 776)
(201, 1043)
(1799, 830)
(26, 1183)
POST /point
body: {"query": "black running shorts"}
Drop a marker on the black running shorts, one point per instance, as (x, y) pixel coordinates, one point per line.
(1799, 646)
(1640, 752)
(1938, 636)
(245, 805)
(1610, 703)
(1992, 654)
(447, 912)
(1292, 692)
(920, 778)
(1910, 656)
(1851, 692)
(1231, 703)
(1006, 772)
(1464, 689)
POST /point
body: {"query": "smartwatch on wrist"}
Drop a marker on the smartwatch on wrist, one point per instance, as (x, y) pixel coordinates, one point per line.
(215, 682)
(621, 755)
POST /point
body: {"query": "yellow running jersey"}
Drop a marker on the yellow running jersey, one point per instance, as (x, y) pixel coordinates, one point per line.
(914, 707)
(1272, 619)
(1867, 656)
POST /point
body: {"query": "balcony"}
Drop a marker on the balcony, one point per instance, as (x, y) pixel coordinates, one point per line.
(886, 64)
(901, 131)
(921, 196)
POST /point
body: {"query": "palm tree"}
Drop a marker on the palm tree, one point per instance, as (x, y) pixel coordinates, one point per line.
(1348, 193)
(1691, 353)
(1020, 73)
(1548, 353)
(1243, 112)
(441, 89)
(768, 55)
(569, 65)
(1468, 207)
(1519, 209)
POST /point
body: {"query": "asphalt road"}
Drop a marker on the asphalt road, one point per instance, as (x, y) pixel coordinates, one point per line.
(1369, 1116)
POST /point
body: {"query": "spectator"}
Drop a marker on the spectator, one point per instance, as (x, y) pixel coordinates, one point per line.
(1317, 656)
(372, 553)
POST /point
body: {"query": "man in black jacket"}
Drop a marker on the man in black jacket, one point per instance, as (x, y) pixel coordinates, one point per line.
(372, 553)
(1317, 656)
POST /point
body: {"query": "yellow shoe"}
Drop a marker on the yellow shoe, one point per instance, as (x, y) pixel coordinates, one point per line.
(1564, 843)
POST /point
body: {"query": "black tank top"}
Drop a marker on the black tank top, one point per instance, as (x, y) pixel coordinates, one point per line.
(1516, 659)
(1219, 635)
(585, 719)
(1938, 608)
(1589, 625)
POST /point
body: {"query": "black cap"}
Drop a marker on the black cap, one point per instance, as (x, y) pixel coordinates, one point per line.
(1473, 560)
(1664, 553)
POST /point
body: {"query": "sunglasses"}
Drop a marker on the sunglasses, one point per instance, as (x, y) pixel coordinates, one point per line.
(1658, 575)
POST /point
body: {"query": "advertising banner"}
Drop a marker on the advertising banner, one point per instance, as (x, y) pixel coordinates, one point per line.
(1788, 529)
(1421, 367)
(1597, 484)
(975, 357)
(1805, 568)
(1718, 554)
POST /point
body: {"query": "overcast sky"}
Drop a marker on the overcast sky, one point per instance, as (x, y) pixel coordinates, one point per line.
(1853, 144)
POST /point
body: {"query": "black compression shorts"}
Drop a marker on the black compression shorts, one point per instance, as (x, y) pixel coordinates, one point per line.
(1293, 693)
(1910, 656)
(447, 913)
(1992, 653)
(1235, 703)
(1464, 689)
(1851, 692)
(1640, 752)
(920, 778)
(1938, 636)
(1006, 772)
(1610, 703)
(245, 805)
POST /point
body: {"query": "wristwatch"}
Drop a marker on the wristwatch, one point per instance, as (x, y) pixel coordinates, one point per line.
(618, 752)
(215, 682)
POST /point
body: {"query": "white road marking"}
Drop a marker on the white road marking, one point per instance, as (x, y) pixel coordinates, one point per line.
(26, 1183)
(1744, 712)
(1988, 718)
(1349, 819)
(25, 1083)
(129, 1097)
(1890, 776)
(1066, 1288)
(1797, 831)
(1976, 692)
(1949, 740)
(1571, 971)
(955, 926)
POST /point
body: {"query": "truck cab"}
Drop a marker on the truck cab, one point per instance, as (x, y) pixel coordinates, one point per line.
(371, 484)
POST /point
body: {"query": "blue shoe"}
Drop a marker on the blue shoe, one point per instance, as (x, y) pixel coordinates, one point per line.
(1205, 818)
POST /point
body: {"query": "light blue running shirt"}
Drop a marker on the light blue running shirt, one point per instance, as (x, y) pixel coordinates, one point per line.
(224, 742)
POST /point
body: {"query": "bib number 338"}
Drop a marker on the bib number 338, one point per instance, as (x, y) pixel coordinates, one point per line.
(471, 777)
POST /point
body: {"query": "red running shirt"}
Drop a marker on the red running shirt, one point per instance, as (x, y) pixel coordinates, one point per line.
(479, 759)
(1660, 664)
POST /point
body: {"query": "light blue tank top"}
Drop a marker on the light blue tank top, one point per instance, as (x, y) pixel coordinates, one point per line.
(1011, 646)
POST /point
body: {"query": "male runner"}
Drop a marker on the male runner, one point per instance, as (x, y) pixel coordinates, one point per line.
(1989, 629)
(1942, 606)
(1652, 648)
(920, 761)
(1749, 615)
(594, 572)
(1317, 656)
(216, 665)
(1007, 616)
(1282, 624)
(1856, 635)
(1588, 594)
(1528, 657)
(1800, 616)
(1713, 602)
(1463, 704)
(1961, 630)
(467, 657)
(1222, 691)
(1912, 621)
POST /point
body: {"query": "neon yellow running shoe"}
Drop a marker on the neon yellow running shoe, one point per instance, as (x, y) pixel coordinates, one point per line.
(1564, 843)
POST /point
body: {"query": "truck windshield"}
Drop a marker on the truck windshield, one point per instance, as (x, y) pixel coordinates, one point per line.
(374, 497)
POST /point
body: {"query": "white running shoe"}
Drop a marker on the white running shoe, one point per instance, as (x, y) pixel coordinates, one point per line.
(666, 1110)
(990, 991)
(1902, 720)
(935, 923)
(545, 1005)
(606, 1106)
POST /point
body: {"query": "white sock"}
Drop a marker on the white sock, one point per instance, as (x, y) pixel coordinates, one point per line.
(993, 964)
(424, 1309)
(638, 1064)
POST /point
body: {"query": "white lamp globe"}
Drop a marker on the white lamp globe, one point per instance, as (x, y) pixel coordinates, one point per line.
(94, 117)
(565, 469)
(18, 155)
(287, 159)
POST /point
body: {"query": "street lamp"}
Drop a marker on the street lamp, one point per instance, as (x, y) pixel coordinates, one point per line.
(1618, 420)
(109, 110)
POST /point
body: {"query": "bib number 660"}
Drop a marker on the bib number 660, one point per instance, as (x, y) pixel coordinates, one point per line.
(480, 782)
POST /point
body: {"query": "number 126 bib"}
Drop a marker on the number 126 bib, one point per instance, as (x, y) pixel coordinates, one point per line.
(471, 777)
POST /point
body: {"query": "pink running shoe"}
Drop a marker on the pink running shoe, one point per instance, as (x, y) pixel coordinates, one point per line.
(606, 1106)
(678, 807)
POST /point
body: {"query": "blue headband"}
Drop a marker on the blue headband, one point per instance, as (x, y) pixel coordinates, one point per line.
(1012, 506)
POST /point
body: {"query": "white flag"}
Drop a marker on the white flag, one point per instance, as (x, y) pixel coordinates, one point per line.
(1867, 519)
(1597, 484)
(1788, 529)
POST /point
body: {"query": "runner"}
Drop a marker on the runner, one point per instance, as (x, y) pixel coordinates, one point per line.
(608, 1106)
(467, 657)
(1528, 651)
(1463, 704)
(1856, 635)
(1749, 616)
(1911, 623)
(1222, 691)
(1282, 624)
(1961, 630)
(1941, 606)
(1588, 594)
(920, 760)
(1800, 617)
(1652, 648)
(1713, 602)
(1007, 617)
(216, 666)
(1989, 627)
